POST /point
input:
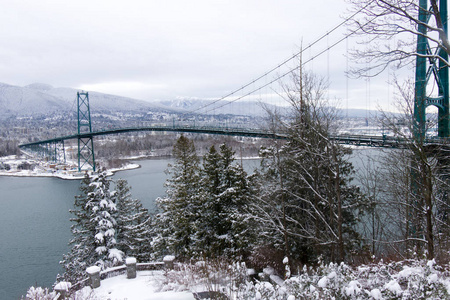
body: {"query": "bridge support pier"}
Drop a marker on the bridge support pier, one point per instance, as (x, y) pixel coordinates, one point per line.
(428, 67)
(85, 144)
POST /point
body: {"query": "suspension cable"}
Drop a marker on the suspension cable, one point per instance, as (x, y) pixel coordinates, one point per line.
(345, 21)
(290, 70)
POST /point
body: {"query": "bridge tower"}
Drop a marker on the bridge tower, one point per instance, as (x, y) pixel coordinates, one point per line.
(431, 68)
(86, 155)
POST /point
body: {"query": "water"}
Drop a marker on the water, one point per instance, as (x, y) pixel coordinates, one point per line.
(34, 231)
(35, 225)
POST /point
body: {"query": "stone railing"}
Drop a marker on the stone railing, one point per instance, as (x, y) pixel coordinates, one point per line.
(95, 275)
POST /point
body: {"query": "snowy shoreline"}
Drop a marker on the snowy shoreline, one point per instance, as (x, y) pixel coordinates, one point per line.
(22, 167)
(64, 171)
(65, 176)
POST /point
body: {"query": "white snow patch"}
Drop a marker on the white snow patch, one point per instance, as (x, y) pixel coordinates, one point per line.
(101, 249)
(110, 232)
(200, 264)
(323, 282)
(431, 263)
(92, 270)
(276, 279)
(63, 285)
(168, 258)
(143, 287)
(394, 287)
(353, 288)
(115, 254)
(432, 278)
(376, 294)
(130, 260)
(269, 271)
(68, 170)
(99, 237)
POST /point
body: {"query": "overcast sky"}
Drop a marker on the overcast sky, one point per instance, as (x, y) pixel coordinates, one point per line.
(167, 49)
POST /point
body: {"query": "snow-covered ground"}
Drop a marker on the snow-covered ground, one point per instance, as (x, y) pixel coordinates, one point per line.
(146, 286)
(409, 279)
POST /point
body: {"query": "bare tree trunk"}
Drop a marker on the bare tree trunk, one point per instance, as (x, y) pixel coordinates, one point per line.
(283, 203)
(337, 189)
(428, 186)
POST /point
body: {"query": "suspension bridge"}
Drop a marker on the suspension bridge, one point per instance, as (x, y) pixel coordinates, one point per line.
(431, 69)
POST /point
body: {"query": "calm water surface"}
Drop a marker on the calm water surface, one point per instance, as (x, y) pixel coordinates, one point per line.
(34, 231)
(35, 225)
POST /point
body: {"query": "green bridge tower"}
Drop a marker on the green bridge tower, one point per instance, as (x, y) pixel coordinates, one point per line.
(431, 68)
(86, 155)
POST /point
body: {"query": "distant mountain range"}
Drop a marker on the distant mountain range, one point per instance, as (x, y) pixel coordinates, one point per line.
(248, 108)
(42, 99)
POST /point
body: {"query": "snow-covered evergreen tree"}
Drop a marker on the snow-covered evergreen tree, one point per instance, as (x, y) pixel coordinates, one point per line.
(205, 211)
(94, 231)
(225, 193)
(83, 246)
(133, 224)
(179, 209)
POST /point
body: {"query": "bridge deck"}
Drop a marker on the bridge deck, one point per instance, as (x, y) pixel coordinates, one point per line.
(205, 130)
(358, 140)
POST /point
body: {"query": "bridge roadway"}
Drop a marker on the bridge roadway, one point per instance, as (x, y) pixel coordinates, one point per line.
(357, 140)
(192, 129)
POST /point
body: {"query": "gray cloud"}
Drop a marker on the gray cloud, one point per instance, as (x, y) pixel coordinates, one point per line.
(150, 49)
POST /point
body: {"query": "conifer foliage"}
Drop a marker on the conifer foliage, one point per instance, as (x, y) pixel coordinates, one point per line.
(133, 224)
(225, 195)
(94, 231)
(203, 213)
(179, 209)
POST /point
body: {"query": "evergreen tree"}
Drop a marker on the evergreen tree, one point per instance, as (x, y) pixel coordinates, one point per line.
(179, 209)
(225, 193)
(94, 230)
(205, 236)
(133, 224)
(80, 255)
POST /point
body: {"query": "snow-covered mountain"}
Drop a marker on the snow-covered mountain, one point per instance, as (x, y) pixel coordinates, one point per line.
(247, 108)
(39, 98)
(43, 99)
(15, 100)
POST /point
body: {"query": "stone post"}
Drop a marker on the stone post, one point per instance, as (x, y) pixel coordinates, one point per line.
(94, 275)
(168, 261)
(252, 275)
(62, 288)
(131, 267)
